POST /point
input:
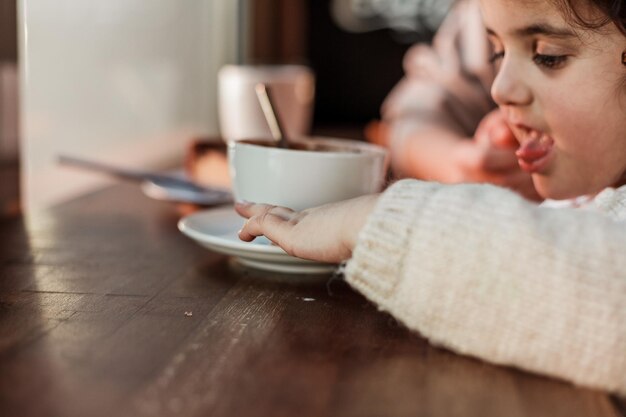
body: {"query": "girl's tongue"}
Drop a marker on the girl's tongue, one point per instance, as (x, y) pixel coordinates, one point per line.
(533, 152)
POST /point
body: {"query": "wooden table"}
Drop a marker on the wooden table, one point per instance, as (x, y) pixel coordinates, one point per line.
(107, 310)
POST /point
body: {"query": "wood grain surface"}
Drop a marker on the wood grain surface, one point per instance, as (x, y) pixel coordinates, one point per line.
(106, 309)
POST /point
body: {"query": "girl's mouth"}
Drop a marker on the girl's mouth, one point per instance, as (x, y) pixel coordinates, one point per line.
(534, 154)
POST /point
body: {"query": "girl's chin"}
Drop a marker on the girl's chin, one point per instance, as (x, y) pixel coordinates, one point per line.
(552, 189)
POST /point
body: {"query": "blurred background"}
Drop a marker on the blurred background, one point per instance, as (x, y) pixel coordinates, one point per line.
(9, 189)
(133, 81)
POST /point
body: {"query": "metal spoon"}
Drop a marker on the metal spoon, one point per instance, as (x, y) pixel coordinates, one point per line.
(162, 180)
(271, 116)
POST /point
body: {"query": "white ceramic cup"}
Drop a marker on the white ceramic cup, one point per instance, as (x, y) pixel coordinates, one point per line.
(301, 179)
(240, 114)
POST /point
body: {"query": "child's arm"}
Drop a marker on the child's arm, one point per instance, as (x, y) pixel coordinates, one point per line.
(479, 270)
(485, 273)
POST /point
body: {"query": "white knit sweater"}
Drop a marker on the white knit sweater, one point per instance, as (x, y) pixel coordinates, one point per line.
(483, 272)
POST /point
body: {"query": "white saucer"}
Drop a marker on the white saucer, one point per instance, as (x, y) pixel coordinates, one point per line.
(216, 229)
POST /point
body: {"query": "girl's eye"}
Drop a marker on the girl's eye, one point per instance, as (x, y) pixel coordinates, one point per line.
(549, 61)
(496, 56)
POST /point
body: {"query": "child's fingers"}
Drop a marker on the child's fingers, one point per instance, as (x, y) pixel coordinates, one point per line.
(502, 137)
(497, 135)
(247, 210)
(493, 130)
(377, 132)
(243, 208)
(264, 219)
(272, 226)
(259, 226)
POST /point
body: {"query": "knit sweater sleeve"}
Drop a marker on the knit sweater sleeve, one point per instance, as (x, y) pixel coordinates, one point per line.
(483, 272)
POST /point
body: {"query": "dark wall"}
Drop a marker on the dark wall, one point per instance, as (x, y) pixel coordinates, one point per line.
(8, 31)
(355, 71)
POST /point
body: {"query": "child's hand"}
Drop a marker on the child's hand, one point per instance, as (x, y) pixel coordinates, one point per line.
(377, 132)
(493, 131)
(324, 234)
(490, 157)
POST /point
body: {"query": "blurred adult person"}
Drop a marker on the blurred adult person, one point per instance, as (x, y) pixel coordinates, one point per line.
(440, 122)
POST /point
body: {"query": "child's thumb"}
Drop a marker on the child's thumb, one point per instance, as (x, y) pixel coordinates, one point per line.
(501, 136)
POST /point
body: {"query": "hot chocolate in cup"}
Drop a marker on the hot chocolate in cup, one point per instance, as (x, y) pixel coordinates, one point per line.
(312, 172)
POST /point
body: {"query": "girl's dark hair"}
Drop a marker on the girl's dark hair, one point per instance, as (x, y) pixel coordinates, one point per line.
(611, 11)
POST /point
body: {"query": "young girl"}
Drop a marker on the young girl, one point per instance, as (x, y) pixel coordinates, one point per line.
(478, 269)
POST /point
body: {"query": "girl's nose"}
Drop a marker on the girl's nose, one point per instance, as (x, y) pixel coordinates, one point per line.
(509, 86)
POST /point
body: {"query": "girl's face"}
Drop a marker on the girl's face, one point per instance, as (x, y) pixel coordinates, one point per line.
(563, 92)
